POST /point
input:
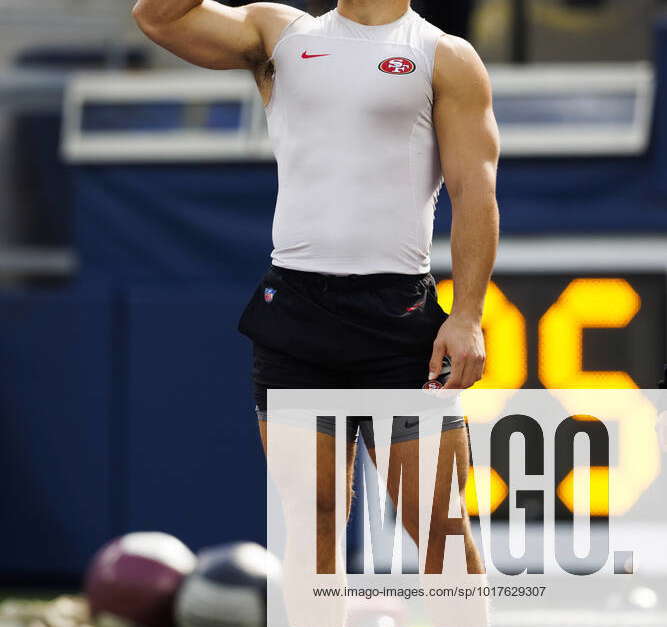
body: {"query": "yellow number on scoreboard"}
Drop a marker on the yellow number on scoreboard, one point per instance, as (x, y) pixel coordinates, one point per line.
(585, 303)
(596, 303)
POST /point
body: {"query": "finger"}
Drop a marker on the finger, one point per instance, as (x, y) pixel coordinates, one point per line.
(435, 365)
(455, 381)
(473, 371)
(468, 377)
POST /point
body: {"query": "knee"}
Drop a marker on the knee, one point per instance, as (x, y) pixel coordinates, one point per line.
(410, 518)
(326, 500)
(458, 525)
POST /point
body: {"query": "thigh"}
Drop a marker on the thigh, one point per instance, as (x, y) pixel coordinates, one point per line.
(404, 460)
(325, 461)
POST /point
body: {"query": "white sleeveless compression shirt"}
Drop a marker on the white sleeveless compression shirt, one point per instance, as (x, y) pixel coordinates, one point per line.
(351, 122)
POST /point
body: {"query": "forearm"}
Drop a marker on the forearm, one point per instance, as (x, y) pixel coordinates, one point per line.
(210, 34)
(469, 146)
(475, 226)
(163, 11)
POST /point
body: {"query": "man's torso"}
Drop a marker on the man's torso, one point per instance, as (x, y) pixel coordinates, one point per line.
(351, 123)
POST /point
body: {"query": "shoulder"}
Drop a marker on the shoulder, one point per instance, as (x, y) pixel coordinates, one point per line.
(271, 19)
(459, 71)
(271, 11)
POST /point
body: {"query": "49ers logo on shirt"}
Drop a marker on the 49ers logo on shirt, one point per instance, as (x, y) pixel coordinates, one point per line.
(397, 65)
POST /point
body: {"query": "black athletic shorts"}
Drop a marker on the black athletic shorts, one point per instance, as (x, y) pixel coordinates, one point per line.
(316, 331)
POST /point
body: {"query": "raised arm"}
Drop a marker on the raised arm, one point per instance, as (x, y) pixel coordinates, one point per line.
(469, 148)
(212, 35)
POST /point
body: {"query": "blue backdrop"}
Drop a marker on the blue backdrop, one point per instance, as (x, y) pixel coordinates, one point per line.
(125, 401)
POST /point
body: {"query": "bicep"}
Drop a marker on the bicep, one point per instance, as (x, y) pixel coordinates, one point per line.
(213, 35)
(465, 123)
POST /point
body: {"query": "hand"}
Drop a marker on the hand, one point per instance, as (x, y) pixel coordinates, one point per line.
(462, 341)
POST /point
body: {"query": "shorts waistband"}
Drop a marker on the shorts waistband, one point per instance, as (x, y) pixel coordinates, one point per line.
(350, 281)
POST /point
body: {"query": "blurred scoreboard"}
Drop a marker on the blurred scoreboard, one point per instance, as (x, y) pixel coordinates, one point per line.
(563, 313)
(572, 330)
(571, 312)
(568, 330)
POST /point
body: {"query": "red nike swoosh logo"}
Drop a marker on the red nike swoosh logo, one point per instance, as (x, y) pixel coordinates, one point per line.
(305, 55)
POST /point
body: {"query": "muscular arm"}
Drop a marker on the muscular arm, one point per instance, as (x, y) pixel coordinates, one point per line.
(469, 147)
(212, 35)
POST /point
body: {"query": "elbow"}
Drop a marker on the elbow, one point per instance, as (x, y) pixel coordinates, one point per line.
(141, 17)
(138, 14)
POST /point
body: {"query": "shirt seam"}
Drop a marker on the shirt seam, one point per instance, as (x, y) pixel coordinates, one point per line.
(415, 208)
(284, 37)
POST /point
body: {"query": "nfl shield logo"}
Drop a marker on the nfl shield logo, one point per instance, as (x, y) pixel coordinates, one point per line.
(269, 293)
